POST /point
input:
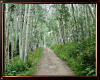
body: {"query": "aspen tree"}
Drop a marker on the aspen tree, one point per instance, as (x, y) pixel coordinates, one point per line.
(28, 34)
(23, 32)
(91, 12)
(7, 38)
(12, 40)
(41, 36)
(59, 25)
(76, 39)
(16, 27)
(20, 31)
(6, 28)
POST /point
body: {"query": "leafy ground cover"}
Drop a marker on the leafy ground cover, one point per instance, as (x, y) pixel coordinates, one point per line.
(80, 56)
(19, 68)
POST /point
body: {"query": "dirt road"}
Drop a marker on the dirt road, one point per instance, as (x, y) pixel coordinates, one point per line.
(50, 64)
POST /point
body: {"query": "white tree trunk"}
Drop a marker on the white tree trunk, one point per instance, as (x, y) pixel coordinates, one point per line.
(40, 35)
(91, 12)
(16, 28)
(28, 34)
(7, 38)
(7, 46)
(59, 31)
(20, 28)
(24, 30)
(12, 41)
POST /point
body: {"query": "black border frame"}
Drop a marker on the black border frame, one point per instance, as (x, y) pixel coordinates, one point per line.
(48, 2)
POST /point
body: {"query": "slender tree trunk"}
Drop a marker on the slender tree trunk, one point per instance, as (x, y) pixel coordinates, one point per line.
(41, 36)
(59, 30)
(16, 29)
(23, 32)
(12, 40)
(28, 34)
(91, 12)
(65, 33)
(55, 39)
(62, 29)
(88, 24)
(7, 46)
(35, 26)
(33, 33)
(76, 39)
(20, 31)
(7, 38)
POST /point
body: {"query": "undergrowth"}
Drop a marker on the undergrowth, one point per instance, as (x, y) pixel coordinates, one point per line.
(80, 56)
(19, 68)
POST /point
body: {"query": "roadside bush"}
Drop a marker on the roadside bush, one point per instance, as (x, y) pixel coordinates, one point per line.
(80, 56)
(18, 67)
(12, 68)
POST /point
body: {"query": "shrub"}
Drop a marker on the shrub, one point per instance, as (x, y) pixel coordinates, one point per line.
(18, 67)
(80, 56)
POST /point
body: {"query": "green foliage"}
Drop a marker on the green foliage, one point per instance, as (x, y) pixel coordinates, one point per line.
(49, 41)
(80, 56)
(18, 67)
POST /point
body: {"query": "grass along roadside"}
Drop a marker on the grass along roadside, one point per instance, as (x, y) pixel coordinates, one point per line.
(19, 68)
(80, 56)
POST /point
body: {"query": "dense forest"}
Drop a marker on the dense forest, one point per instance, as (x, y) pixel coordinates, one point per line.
(68, 29)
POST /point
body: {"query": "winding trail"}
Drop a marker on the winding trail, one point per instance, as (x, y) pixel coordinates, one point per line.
(51, 64)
